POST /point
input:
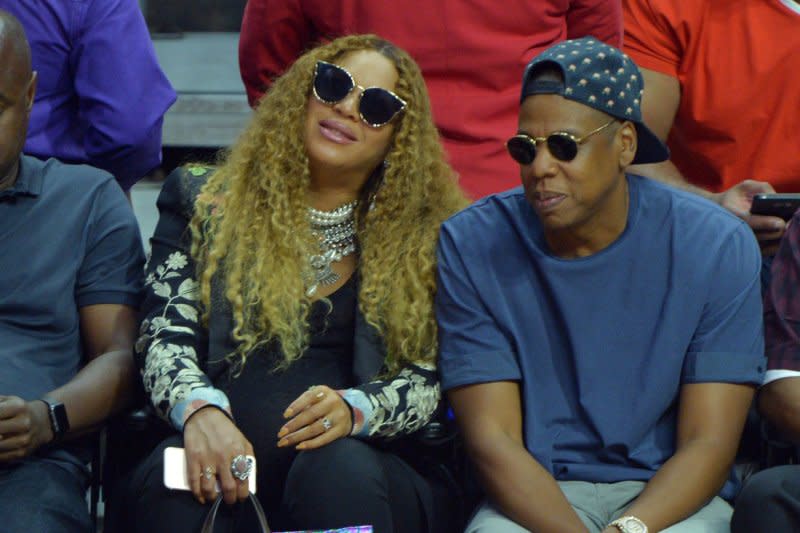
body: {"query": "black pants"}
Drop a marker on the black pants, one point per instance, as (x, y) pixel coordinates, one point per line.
(769, 502)
(346, 483)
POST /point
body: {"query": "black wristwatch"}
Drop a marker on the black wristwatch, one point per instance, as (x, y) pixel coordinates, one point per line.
(59, 422)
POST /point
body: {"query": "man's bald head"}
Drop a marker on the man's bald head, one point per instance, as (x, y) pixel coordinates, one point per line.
(14, 47)
(17, 92)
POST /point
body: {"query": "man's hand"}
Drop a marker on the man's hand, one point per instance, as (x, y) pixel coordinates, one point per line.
(738, 200)
(24, 427)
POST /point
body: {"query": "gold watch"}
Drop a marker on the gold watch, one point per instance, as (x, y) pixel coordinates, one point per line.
(629, 524)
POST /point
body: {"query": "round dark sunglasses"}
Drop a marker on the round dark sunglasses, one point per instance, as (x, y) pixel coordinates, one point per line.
(376, 106)
(562, 145)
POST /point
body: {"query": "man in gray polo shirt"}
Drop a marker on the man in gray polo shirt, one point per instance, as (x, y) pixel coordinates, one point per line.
(70, 275)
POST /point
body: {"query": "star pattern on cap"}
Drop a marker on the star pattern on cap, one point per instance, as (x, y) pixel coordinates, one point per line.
(602, 77)
(598, 75)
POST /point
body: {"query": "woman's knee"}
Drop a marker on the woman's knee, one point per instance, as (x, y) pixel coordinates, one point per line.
(341, 462)
(769, 501)
(151, 507)
(764, 486)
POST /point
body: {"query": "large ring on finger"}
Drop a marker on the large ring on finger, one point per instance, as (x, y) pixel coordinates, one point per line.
(208, 472)
(326, 423)
(242, 467)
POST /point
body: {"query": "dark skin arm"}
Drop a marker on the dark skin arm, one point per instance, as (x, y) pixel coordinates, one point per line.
(490, 416)
(660, 104)
(103, 387)
(779, 402)
(710, 421)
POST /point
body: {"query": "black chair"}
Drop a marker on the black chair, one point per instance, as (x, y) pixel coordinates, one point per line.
(123, 443)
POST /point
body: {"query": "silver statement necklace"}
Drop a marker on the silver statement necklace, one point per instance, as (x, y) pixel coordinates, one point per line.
(336, 231)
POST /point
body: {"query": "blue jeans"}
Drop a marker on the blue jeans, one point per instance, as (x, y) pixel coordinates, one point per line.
(43, 495)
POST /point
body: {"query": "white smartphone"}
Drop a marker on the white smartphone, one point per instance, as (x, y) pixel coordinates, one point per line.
(175, 477)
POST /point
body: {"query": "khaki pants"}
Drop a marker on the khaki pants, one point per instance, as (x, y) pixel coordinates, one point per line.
(597, 504)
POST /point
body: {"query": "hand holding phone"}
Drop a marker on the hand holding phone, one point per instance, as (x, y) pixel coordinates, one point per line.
(781, 205)
(175, 475)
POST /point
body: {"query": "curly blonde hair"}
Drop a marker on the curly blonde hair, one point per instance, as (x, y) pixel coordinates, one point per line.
(250, 225)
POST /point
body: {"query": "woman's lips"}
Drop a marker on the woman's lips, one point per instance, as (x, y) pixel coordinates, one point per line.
(336, 132)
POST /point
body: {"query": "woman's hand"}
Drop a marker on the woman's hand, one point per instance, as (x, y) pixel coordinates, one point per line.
(211, 441)
(318, 417)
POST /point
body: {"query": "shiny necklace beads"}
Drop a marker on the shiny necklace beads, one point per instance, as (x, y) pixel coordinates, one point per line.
(336, 231)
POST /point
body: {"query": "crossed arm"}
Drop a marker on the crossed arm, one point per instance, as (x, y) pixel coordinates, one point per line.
(710, 421)
(490, 416)
(104, 386)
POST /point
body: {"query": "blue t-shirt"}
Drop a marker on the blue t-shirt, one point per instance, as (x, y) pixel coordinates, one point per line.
(601, 344)
(68, 239)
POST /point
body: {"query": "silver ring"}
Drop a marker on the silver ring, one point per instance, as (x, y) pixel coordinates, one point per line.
(208, 472)
(242, 467)
(326, 423)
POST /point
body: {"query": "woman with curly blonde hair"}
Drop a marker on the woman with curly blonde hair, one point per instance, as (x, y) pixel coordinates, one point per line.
(289, 305)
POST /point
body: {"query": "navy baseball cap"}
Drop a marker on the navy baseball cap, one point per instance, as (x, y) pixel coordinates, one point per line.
(599, 76)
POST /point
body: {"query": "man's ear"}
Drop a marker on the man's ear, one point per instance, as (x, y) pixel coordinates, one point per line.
(30, 94)
(628, 142)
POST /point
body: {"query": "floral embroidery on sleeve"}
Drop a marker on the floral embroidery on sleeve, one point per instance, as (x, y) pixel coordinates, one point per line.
(396, 406)
(171, 374)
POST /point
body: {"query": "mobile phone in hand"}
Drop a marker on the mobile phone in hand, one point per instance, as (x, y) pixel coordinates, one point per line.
(782, 205)
(176, 478)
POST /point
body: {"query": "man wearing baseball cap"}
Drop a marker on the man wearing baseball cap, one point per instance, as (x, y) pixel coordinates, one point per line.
(600, 333)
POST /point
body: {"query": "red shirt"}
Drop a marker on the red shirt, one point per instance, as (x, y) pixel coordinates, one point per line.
(472, 53)
(738, 64)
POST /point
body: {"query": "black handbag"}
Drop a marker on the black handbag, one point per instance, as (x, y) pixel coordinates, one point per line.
(208, 524)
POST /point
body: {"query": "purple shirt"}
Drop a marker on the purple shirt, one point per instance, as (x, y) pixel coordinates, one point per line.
(782, 303)
(101, 95)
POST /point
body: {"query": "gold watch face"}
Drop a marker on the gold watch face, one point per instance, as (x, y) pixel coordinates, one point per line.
(632, 525)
